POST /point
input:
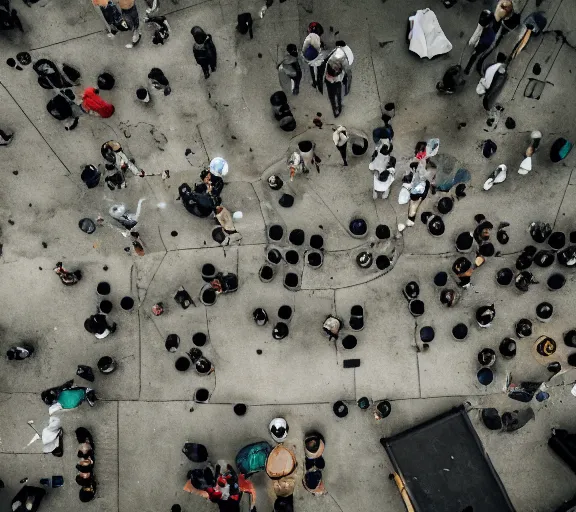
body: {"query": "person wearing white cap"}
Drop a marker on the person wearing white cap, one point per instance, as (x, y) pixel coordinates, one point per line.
(219, 166)
(278, 429)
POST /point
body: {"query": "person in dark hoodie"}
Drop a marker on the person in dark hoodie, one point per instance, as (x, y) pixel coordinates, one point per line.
(204, 50)
(290, 67)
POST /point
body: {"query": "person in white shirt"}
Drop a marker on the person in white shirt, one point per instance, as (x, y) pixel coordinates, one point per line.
(383, 180)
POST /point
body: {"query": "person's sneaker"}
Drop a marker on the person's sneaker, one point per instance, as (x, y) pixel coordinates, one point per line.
(7, 141)
(111, 35)
(497, 176)
(525, 166)
(135, 40)
(152, 9)
(401, 227)
(409, 223)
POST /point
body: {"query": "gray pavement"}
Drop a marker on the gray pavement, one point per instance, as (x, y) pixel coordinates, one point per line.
(146, 411)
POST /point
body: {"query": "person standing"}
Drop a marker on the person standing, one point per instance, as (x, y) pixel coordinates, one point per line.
(290, 67)
(130, 13)
(340, 139)
(204, 50)
(314, 55)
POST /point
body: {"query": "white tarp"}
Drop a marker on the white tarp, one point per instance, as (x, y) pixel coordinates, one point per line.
(426, 37)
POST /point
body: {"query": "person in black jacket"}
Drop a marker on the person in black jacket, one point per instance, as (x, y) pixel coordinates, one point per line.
(204, 50)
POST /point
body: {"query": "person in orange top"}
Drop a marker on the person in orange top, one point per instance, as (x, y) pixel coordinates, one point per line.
(92, 102)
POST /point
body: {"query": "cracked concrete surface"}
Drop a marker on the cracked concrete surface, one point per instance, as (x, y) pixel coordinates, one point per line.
(147, 410)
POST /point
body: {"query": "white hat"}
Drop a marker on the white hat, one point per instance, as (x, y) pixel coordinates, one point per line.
(278, 429)
(219, 166)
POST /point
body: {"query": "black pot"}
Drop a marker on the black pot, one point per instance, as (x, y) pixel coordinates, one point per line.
(557, 240)
(127, 303)
(384, 408)
(427, 334)
(199, 339)
(276, 232)
(555, 282)
(382, 232)
(382, 262)
(285, 313)
(460, 331)
(416, 307)
(504, 276)
(507, 348)
(182, 364)
(274, 256)
(544, 311)
(358, 227)
(106, 364)
(364, 260)
(570, 338)
(103, 288)
(240, 409)
(523, 328)
(208, 297)
(486, 357)
(292, 257)
(314, 259)
(201, 395)
(305, 146)
(544, 258)
(297, 237)
(440, 279)
(266, 273)
(172, 342)
(445, 205)
(291, 280)
(340, 409)
(208, 272)
(316, 242)
(105, 306)
(349, 342)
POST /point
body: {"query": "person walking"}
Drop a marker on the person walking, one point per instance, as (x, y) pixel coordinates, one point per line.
(314, 54)
(112, 16)
(340, 139)
(338, 73)
(383, 180)
(130, 14)
(290, 68)
(204, 50)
